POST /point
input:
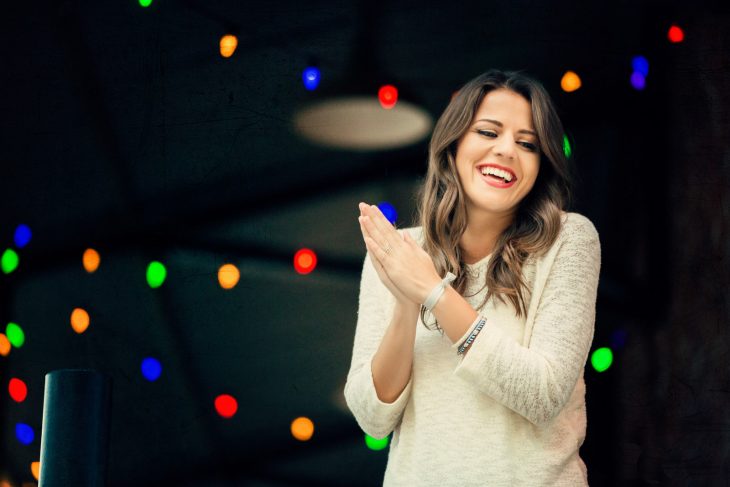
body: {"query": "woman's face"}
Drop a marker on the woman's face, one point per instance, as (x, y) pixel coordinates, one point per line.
(501, 135)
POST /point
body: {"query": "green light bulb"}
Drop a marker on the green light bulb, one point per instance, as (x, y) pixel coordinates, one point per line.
(9, 261)
(602, 359)
(145, 3)
(15, 335)
(566, 146)
(375, 444)
(156, 274)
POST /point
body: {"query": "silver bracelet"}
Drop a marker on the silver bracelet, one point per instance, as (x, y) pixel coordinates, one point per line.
(467, 343)
(438, 291)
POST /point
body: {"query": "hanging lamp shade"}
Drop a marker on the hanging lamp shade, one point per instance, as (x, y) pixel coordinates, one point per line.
(359, 122)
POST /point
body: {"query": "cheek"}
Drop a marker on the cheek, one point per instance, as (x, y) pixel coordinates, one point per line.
(462, 171)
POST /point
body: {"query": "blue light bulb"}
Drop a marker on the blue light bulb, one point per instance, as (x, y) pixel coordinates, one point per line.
(22, 236)
(151, 369)
(311, 77)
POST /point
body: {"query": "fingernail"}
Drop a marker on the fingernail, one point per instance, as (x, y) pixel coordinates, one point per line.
(361, 206)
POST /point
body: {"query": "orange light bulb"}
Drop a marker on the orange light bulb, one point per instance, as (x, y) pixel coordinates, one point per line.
(228, 45)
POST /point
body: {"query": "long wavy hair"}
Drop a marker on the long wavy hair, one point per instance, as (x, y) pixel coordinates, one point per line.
(441, 209)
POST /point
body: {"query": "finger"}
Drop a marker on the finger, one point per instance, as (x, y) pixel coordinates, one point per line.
(407, 237)
(374, 232)
(380, 228)
(363, 229)
(384, 226)
(375, 250)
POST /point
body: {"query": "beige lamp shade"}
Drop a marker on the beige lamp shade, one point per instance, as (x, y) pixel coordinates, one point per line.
(361, 123)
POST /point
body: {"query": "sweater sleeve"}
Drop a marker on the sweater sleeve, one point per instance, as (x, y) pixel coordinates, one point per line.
(375, 417)
(537, 381)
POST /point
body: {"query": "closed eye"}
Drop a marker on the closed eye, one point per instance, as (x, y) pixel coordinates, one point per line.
(527, 145)
(487, 133)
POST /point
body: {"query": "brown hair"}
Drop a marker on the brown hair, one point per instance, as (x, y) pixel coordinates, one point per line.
(441, 202)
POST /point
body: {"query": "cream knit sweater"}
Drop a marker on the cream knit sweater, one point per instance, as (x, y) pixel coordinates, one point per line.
(511, 412)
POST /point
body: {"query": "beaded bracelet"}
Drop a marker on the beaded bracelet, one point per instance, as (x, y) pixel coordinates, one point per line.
(467, 343)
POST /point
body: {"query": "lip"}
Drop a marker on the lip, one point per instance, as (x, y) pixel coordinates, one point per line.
(494, 183)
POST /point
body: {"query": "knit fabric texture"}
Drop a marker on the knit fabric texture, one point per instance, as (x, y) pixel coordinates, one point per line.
(511, 412)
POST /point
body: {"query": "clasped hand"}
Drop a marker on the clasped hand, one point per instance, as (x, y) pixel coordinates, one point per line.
(402, 265)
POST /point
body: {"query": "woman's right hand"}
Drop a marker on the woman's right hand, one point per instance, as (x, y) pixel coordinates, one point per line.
(401, 299)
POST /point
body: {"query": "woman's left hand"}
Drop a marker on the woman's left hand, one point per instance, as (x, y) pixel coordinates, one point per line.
(408, 266)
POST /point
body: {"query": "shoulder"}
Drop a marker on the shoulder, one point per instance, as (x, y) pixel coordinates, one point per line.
(577, 226)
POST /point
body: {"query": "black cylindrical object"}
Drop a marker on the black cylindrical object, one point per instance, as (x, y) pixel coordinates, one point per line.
(75, 432)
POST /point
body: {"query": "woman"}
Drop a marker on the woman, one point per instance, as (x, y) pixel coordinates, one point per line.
(474, 328)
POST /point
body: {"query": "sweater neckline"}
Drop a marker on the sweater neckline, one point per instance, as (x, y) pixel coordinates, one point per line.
(480, 262)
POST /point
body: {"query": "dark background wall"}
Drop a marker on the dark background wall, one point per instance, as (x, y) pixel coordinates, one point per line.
(122, 128)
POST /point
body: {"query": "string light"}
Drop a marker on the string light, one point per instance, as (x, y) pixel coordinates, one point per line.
(151, 369)
(388, 211)
(302, 428)
(570, 81)
(675, 34)
(80, 320)
(22, 236)
(567, 150)
(15, 335)
(310, 78)
(228, 276)
(4, 345)
(24, 433)
(305, 260)
(640, 64)
(228, 45)
(156, 274)
(17, 389)
(91, 260)
(388, 96)
(638, 80)
(9, 261)
(226, 405)
(602, 359)
(376, 444)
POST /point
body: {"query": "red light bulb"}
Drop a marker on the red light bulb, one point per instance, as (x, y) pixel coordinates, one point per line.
(305, 260)
(18, 390)
(675, 34)
(226, 405)
(388, 96)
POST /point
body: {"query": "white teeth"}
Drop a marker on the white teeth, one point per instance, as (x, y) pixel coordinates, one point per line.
(497, 172)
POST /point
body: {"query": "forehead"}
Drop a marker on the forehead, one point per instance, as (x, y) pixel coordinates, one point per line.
(507, 107)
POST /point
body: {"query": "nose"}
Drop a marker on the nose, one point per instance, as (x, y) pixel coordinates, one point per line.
(505, 147)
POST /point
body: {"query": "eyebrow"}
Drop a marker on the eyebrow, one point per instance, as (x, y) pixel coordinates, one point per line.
(499, 124)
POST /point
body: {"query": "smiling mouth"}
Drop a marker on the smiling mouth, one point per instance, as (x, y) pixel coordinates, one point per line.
(496, 181)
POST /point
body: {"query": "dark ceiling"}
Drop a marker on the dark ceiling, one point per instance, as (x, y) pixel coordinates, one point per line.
(124, 130)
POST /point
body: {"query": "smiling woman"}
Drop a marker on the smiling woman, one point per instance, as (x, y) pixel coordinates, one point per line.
(477, 390)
